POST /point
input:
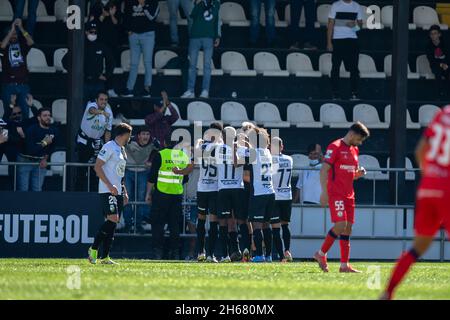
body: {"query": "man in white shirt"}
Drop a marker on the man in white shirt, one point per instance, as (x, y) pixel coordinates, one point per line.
(308, 184)
(344, 20)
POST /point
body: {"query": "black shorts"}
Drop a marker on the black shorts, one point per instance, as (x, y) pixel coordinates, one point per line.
(207, 202)
(283, 210)
(261, 208)
(230, 203)
(111, 204)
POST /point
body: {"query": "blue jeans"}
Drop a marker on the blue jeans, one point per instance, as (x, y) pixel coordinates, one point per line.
(135, 181)
(32, 8)
(173, 5)
(141, 43)
(195, 45)
(25, 173)
(255, 11)
(21, 90)
(310, 17)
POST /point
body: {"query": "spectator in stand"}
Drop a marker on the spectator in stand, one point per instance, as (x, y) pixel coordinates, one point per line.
(32, 10)
(173, 5)
(255, 12)
(97, 58)
(308, 184)
(13, 51)
(159, 123)
(438, 55)
(344, 20)
(310, 18)
(138, 152)
(205, 34)
(96, 9)
(40, 143)
(140, 23)
(108, 29)
(3, 137)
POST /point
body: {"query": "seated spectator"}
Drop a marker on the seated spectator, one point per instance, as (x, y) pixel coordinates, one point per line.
(138, 153)
(255, 12)
(438, 55)
(173, 5)
(32, 10)
(140, 23)
(308, 34)
(40, 143)
(13, 52)
(205, 34)
(3, 137)
(97, 58)
(159, 123)
(308, 184)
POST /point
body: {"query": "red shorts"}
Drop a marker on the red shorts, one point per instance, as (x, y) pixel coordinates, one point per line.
(342, 209)
(431, 214)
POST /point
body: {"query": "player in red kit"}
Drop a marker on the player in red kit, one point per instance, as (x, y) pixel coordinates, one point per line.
(339, 170)
(432, 204)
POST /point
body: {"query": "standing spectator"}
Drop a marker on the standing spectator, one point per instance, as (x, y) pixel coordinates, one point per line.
(140, 23)
(108, 29)
(138, 152)
(32, 10)
(13, 51)
(95, 130)
(344, 20)
(438, 55)
(40, 143)
(159, 123)
(308, 184)
(173, 5)
(310, 16)
(205, 34)
(97, 57)
(255, 12)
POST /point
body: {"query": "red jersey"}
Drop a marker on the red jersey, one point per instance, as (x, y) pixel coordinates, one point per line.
(343, 160)
(436, 163)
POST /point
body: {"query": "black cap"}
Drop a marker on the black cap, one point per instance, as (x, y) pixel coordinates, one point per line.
(91, 25)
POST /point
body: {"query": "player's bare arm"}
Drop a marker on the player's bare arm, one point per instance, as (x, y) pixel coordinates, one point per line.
(323, 183)
(101, 175)
(246, 176)
(330, 34)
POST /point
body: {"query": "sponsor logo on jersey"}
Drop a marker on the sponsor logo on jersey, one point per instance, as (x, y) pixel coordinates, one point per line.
(347, 167)
(328, 154)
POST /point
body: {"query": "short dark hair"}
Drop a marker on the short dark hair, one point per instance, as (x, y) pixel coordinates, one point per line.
(39, 112)
(435, 27)
(142, 129)
(360, 129)
(216, 125)
(99, 93)
(122, 128)
(311, 147)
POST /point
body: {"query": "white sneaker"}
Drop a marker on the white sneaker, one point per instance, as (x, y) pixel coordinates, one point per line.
(112, 93)
(204, 94)
(188, 95)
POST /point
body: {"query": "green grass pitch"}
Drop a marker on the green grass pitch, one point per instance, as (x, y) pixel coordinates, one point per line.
(143, 279)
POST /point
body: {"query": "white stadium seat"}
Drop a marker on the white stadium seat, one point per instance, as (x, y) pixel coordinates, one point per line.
(233, 113)
(410, 175)
(423, 67)
(180, 122)
(2, 110)
(300, 65)
(299, 161)
(267, 64)
(125, 63)
(59, 111)
(161, 59)
(302, 22)
(37, 62)
(367, 68)
(427, 113)
(41, 13)
(233, 14)
(387, 18)
(57, 157)
(368, 115)
(58, 55)
(235, 64)
(278, 22)
(409, 123)
(300, 115)
(6, 11)
(388, 68)
(424, 17)
(370, 162)
(325, 66)
(214, 71)
(38, 106)
(323, 12)
(333, 115)
(268, 115)
(164, 16)
(61, 9)
(200, 111)
(4, 168)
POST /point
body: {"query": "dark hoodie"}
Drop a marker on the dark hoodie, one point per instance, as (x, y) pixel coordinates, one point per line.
(139, 19)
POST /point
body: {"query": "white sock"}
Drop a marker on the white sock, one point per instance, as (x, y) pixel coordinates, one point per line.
(321, 253)
(344, 264)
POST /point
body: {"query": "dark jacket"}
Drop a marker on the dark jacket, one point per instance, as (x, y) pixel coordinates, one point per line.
(139, 19)
(33, 138)
(437, 55)
(205, 20)
(15, 71)
(96, 55)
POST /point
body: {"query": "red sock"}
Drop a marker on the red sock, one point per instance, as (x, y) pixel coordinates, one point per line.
(329, 240)
(345, 248)
(401, 269)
